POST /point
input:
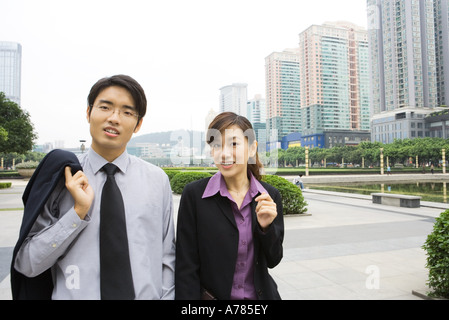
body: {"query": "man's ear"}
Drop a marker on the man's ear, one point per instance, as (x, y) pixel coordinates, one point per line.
(138, 125)
(88, 114)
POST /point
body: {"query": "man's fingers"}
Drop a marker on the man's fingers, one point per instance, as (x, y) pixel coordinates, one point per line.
(68, 174)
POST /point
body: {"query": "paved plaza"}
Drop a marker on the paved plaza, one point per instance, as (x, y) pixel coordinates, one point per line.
(346, 248)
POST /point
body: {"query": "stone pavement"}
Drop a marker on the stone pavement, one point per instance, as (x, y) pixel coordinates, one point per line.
(347, 248)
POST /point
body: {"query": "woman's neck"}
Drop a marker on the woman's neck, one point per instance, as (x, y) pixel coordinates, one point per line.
(237, 183)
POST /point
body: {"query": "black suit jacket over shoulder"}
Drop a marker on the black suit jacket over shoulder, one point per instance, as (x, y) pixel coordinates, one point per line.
(38, 190)
(207, 245)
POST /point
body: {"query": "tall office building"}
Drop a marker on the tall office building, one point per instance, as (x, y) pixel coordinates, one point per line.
(10, 70)
(334, 81)
(234, 98)
(257, 111)
(282, 94)
(408, 57)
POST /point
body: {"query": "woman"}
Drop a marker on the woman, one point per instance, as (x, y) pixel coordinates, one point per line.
(230, 227)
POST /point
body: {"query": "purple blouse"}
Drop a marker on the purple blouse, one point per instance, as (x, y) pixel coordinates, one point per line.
(243, 284)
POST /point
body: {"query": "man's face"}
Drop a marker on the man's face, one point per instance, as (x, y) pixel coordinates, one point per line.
(113, 120)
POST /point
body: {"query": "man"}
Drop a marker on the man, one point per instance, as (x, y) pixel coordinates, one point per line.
(298, 181)
(66, 236)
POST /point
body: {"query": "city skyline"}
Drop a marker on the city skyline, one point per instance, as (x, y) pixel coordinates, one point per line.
(182, 53)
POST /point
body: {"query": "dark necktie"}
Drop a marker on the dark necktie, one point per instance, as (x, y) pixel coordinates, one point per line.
(116, 281)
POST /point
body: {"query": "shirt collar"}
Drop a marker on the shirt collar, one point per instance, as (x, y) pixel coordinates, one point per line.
(217, 184)
(97, 162)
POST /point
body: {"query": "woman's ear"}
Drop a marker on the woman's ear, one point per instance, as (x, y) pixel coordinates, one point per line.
(253, 149)
(252, 159)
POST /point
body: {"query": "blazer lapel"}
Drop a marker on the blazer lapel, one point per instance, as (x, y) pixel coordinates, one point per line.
(225, 207)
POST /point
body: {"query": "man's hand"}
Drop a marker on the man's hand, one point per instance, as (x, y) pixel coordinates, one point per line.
(81, 191)
(266, 210)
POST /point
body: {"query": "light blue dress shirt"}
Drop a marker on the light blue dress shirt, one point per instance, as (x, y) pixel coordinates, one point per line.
(62, 241)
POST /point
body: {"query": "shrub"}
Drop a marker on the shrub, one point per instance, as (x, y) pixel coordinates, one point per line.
(292, 199)
(437, 247)
(171, 173)
(5, 185)
(27, 165)
(180, 180)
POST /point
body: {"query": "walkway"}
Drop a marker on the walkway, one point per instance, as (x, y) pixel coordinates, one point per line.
(348, 248)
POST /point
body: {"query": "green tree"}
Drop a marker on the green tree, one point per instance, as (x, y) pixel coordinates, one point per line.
(3, 135)
(16, 123)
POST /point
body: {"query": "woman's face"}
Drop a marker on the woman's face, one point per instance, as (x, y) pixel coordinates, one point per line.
(231, 152)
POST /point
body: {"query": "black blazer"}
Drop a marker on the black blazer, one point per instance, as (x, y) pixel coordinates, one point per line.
(38, 190)
(207, 245)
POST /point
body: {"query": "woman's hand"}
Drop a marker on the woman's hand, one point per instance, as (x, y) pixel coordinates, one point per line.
(266, 210)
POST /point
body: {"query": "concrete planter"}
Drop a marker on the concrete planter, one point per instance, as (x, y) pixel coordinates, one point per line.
(26, 173)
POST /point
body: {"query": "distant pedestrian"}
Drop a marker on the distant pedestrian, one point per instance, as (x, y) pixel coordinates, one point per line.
(298, 181)
(389, 170)
(432, 168)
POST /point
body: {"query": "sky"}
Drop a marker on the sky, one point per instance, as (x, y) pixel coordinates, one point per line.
(181, 52)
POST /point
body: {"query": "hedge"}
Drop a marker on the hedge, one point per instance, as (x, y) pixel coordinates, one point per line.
(292, 199)
(181, 179)
(5, 185)
(171, 173)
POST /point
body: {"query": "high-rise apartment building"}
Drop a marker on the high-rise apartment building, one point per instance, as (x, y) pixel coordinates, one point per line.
(234, 98)
(441, 10)
(408, 57)
(334, 78)
(10, 70)
(282, 94)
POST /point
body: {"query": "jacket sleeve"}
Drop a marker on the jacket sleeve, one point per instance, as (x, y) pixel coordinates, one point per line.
(51, 235)
(187, 279)
(271, 240)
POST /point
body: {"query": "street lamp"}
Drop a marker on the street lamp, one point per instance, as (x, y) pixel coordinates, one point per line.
(382, 161)
(307, 161)
(82, 147)
(444, 161)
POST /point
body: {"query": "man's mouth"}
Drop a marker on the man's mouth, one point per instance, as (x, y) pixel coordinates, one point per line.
(111, 132)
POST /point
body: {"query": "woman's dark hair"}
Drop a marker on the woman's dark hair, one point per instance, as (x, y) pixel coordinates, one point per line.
(126, 82)
(225, 120)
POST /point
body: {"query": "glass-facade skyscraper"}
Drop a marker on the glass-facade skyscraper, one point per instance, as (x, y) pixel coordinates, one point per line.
(234, 98)
(10, 70)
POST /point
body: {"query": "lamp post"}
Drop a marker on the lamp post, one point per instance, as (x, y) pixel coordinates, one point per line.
(307, 161)
(382, 161)
(444, 160)
(82, 147)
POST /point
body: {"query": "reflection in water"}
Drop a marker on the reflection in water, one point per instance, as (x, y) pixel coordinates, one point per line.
(429, 191)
